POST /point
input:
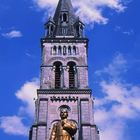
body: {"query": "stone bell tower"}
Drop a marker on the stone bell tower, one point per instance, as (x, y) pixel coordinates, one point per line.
(64, 77)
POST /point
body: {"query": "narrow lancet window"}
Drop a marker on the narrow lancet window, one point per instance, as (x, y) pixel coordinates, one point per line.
(72, 74)
(54, 50)
(65, 17)
(74, 50)
(59, 50)
(69, 50)
(64, 50)
(58, 74)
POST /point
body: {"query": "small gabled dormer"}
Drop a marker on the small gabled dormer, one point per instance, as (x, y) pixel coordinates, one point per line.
(64, 22)
(50, 27)
(79, 28)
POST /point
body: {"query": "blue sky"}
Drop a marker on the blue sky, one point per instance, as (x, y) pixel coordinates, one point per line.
(112, 27)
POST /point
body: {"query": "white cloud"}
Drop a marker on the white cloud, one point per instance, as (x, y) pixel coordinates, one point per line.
(90, 11)
(113, 131)
(28, 54)
(124, 31)
(46, 3)
(120, 102)
(110, 126)
(102, 116)
(13, 125)
(129, 32)
(125, 98)
(117, 67)
(26, 94)
(113, 91)
(12, 34)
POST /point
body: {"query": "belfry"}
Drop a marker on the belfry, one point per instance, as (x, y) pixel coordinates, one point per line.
(64, 104)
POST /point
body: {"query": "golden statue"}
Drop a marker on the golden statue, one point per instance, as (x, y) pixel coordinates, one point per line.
(64, 129)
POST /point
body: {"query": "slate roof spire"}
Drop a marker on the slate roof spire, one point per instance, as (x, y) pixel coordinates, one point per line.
(64, 5)
(64, 23)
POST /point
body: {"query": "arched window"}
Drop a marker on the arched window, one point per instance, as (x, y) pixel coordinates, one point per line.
(58, 74)
(74, 50)
(65, 17)
(72, 74)
(59, 50)
(51, 28)
(64, 31)
(69, 50)
(81, 31)
(54, 50)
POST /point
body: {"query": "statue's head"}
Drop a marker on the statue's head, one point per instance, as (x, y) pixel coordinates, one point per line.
(63, 113)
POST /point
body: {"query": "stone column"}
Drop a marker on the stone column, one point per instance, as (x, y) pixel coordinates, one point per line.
(62, 77)
(75, 76)
(41, 133)
(33, 133)
(53, 77)
(56, 50)
(67, 52)
(43, 109)
(66, 77)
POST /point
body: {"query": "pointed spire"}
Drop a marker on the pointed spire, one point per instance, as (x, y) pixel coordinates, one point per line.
(64, 5)
(64, 21)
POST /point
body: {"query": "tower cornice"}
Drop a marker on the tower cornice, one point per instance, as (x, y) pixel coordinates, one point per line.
(64, 91)
(64, 40)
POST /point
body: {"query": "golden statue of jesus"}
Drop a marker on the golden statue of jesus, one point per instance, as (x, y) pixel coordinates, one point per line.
(64, 129)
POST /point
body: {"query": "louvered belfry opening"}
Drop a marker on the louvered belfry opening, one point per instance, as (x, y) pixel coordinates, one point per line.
(72, 71)
(57, 66)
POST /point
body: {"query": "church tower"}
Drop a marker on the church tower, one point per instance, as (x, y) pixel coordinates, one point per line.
(64, 77)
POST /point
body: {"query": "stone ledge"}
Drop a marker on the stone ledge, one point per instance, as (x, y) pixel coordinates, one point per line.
(64, 40)
(64, 91)
(39, 124)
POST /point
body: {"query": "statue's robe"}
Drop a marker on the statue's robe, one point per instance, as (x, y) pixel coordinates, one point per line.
(63, 131)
